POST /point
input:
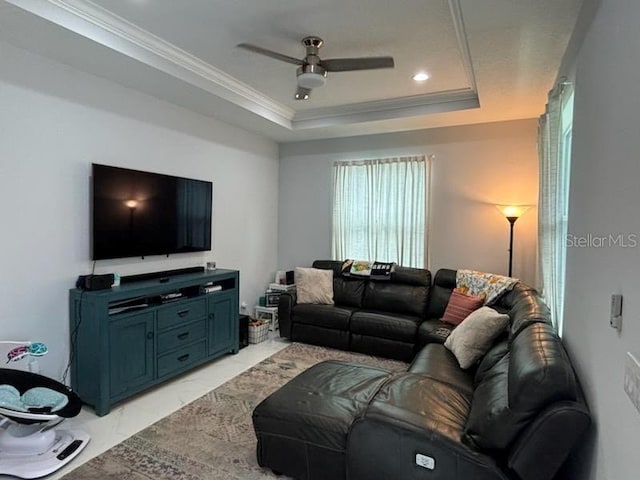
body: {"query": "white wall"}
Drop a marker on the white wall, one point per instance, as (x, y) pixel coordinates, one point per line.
(475, 167)
(54, 122)
(604, 199)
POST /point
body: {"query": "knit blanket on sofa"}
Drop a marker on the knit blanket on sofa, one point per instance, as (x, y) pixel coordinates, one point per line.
(481, 284)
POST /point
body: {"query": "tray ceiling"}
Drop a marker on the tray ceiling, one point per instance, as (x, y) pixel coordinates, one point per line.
(488, 60)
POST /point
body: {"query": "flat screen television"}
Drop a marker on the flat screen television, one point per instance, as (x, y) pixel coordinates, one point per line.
(136, 213)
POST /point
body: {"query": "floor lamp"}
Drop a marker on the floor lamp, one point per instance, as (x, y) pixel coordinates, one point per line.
(512, 213)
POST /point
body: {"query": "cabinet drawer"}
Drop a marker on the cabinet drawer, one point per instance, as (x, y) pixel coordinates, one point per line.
(181, 312)
(181, 335)
(182, 358)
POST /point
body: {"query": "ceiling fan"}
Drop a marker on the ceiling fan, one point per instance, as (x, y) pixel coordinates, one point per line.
(312, 71)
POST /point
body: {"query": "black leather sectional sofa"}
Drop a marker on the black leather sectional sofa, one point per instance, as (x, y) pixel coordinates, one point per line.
(515, 415)
(390, 318)
(377, 317)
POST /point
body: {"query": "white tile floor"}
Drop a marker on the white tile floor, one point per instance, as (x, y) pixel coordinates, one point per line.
(131, 416)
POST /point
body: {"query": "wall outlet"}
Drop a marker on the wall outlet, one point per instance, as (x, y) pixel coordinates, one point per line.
(632, 379)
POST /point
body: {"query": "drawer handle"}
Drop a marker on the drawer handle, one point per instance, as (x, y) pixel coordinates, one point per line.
(182, 336)
(182, 313)
(183, 358)
(149, 335)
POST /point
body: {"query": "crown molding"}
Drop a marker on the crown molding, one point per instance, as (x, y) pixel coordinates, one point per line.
(463, 42)
(116, 33)
(99, 25)
(387, 109)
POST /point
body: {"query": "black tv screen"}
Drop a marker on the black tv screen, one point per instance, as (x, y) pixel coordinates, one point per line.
(136, 213)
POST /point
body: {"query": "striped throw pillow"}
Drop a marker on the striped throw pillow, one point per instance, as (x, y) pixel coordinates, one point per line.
(460, 306)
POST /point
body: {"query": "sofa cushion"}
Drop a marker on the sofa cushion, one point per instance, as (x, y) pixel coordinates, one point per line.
(328, 316)
(438, 363)
(381, 347)
(499, 349)
(433, 331)
(348, 292)
(325, 337)
(375, 324)
(407, 292)
(525, 307)
(443, 284)
(422, 402)
(314, 285)
(539, 370)
(319, 405)
(474, 337)
(534, 373)
(460, 306)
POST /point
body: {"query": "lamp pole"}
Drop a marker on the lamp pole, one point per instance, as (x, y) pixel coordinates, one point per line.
(512, 213)
(512, 221)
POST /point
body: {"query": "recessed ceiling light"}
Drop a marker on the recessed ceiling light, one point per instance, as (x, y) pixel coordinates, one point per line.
(421, 76)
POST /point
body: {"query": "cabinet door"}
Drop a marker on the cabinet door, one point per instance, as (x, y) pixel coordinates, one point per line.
(131, 353)
(222, 320)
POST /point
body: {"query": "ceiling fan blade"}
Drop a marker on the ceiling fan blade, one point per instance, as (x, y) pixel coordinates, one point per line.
(350, 64)
(302, 93)
(269, 53)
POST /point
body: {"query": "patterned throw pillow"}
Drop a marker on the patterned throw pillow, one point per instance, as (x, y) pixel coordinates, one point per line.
(460, 306)
(314, 285)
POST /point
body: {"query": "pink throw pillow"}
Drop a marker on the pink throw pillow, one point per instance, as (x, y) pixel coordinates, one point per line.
(460, 306)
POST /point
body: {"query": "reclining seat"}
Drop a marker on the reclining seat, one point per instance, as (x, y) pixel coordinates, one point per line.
(522, 303)
(326, 325)
(392, 310)
(517, 415)
(434, 330)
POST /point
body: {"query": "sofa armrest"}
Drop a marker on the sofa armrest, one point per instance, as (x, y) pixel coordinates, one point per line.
(286, 302)
(401, 443)
(542, 448)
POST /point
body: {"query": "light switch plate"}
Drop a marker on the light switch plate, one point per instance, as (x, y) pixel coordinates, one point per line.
(632, 379)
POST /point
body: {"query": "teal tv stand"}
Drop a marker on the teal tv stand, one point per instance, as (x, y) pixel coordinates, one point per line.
(132, 337)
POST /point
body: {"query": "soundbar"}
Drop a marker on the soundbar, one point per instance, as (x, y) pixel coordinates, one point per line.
(163, 276)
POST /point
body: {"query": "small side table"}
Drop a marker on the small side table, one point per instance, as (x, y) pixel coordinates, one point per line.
(270, 314)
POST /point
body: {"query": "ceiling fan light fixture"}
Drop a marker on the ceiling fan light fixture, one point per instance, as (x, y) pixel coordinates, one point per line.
(311, 76)
(311, 80)
(421, 77)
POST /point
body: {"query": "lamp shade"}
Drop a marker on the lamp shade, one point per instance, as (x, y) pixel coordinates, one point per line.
(513, 211)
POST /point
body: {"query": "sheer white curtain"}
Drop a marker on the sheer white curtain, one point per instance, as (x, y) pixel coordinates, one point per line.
(380, 210)
(554, 148)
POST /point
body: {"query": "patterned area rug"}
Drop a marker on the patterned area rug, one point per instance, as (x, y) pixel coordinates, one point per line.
(213, 437)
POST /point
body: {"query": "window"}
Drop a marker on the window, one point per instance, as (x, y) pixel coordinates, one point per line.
(555, 135)
(380, 210)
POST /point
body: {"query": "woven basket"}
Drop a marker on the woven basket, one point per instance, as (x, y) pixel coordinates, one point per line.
(258, 333)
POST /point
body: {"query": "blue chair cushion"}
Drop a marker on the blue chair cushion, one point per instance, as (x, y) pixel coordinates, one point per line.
(36, 398)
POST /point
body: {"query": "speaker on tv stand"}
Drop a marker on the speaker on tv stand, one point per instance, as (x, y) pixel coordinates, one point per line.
(244, 330)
